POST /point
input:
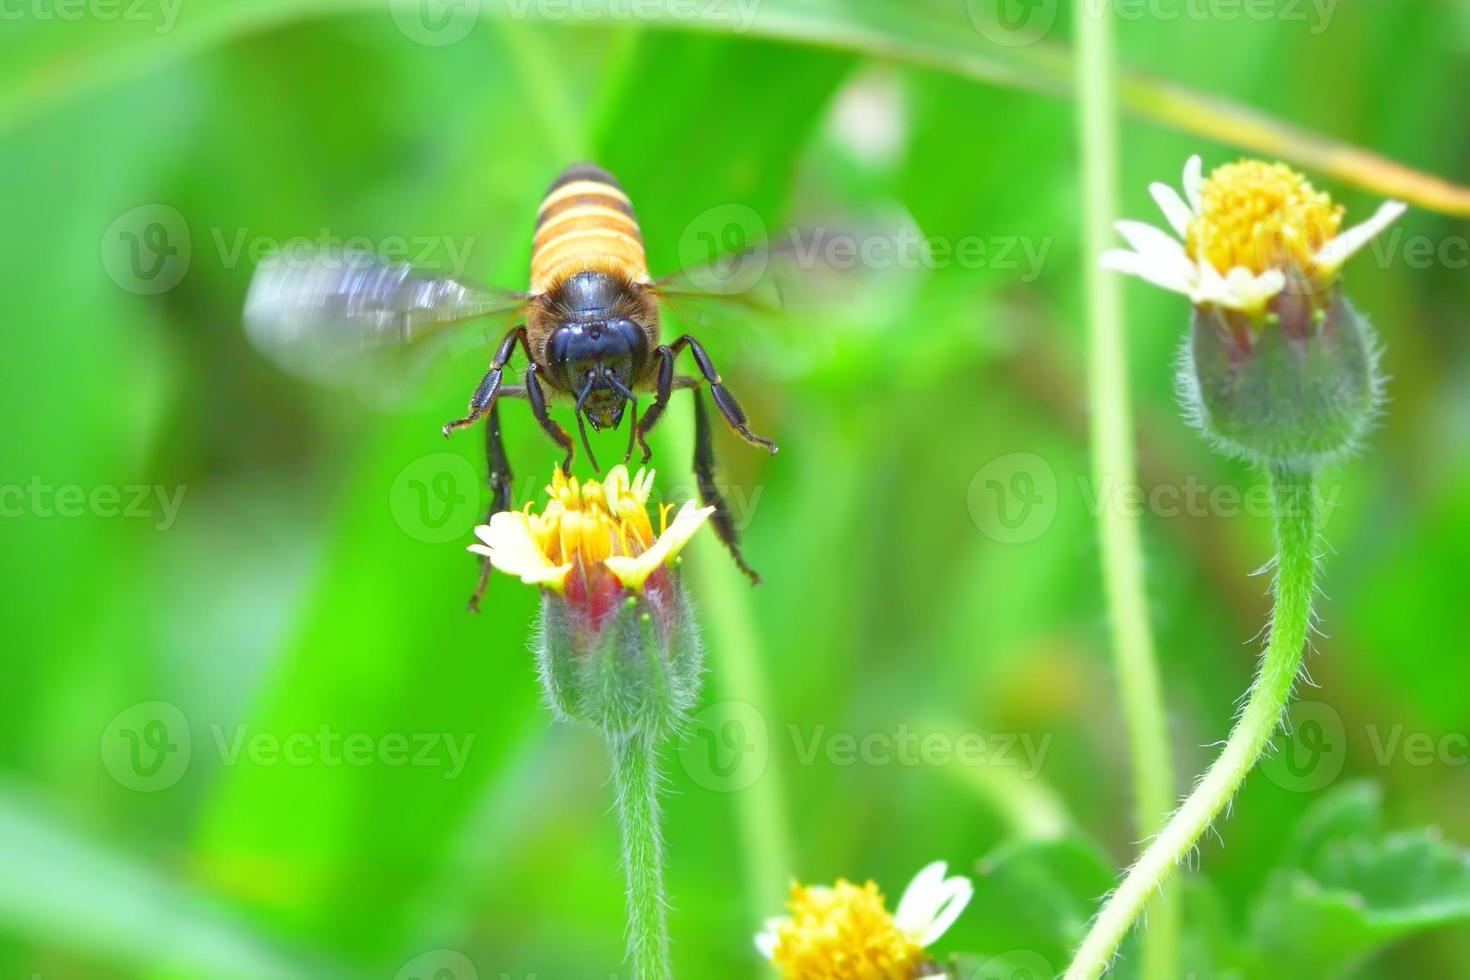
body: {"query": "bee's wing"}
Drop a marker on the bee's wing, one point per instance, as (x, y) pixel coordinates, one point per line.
(759, 280)
(337, 317)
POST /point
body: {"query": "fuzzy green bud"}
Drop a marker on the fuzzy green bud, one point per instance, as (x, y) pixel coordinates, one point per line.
(1298, 389)
(635, 669)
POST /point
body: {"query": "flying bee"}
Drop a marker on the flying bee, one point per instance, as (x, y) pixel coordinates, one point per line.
(589, 327)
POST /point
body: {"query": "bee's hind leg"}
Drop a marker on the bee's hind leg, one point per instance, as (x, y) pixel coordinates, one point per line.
(501, 483)
(709, 491)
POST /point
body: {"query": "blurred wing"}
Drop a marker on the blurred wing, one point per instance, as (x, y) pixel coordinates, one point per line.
(337, 317)
(759, 279)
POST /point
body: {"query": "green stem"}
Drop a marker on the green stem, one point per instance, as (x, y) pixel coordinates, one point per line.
(1113, 465)
(635, 782)
(1296, 564)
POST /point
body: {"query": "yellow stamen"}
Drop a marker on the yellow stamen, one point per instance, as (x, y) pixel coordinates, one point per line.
(843, 933)
(1261, 216)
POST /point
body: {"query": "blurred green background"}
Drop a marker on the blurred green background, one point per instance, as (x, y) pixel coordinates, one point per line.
(292, 574)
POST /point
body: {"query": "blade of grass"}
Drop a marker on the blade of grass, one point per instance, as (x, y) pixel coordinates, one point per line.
(60, 67)
(1111, 444)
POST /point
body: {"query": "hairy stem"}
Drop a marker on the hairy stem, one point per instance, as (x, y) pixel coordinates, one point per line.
(1113, 465)
(635, 782)
(1296, 564)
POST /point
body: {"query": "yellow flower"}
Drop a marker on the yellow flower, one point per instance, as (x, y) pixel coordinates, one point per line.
(845, 932)
(590, 537)
(1243, 233)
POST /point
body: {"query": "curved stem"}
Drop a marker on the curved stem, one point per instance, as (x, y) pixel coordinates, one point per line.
(1113, 465)
(635, 781)
(1296, 564)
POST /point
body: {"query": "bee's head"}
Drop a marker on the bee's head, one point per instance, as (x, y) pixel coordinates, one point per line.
(598, 362)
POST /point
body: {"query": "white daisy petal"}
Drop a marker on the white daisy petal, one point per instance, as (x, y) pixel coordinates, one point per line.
(769, 938)
(1156, 246)
(1175, 210)
(1194, 179)
(957, 895)
(932, 903)
(1133, 264)
(920, 899)
(1335, 253)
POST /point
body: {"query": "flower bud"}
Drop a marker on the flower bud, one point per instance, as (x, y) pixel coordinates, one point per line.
(1299, 391)
(634, 670)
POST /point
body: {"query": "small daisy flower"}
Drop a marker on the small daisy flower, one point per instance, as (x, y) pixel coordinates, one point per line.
(617, 645)
(845, 932)
(592, 541)
(1246, 233)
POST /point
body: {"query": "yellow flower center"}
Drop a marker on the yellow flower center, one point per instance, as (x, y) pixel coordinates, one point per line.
(585, 523)
(843, 933)
(1261, 216)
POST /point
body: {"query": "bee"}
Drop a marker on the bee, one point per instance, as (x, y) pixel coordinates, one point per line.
(589, 327)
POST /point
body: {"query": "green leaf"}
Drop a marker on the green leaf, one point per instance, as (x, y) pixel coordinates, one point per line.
(1350, 890)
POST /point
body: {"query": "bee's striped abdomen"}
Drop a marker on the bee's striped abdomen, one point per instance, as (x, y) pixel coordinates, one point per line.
(585, 221)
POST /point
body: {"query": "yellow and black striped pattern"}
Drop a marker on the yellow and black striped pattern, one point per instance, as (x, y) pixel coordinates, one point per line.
(585, 222)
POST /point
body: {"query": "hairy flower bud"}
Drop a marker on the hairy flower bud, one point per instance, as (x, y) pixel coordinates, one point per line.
(1299, 392)
(635, 671)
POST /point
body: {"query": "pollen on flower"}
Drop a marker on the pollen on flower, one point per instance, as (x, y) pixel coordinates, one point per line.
(1261, 216)
(843, 932)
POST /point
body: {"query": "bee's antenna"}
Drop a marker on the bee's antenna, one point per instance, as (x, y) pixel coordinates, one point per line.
(582, 423)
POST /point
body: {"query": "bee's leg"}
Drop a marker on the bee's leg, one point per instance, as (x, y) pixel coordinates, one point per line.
(499, 476)
(537, 398)
(709, 491)
(489, 386)
(661, 392)
(726, 402)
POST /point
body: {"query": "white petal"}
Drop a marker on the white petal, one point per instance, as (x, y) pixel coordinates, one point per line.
(1175, 210)
(633, 572)
(769, 938)
(1335, 253)
(932, 903)
(1194, 178)
(1133, 264)
(1156, 247)
(1210, 287)
(917, 906)
(509, 546)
